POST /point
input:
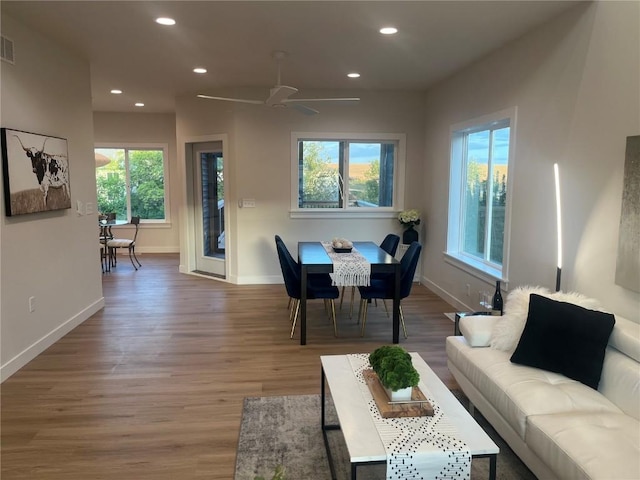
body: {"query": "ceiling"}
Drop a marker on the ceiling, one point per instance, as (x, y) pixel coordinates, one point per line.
(235, 41)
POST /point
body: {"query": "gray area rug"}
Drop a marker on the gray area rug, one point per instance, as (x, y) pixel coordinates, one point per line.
(286, 431)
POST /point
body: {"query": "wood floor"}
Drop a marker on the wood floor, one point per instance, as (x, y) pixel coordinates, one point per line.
(152, 386)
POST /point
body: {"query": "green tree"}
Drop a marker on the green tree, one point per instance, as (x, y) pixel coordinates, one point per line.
(319, 176)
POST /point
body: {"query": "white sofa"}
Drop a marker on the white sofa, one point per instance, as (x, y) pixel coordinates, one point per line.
(559, 427)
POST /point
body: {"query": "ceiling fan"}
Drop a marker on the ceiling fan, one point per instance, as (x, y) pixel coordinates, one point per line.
(279, 95)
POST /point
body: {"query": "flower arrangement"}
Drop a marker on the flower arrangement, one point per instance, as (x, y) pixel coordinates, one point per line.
(409, 218)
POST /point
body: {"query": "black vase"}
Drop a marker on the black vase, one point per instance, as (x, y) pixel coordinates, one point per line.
(409, 235)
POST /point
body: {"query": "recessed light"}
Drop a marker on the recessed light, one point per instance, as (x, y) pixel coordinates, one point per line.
(388, 30)
(353, 75)
(200, 70)
(165, 21)
(115, 91)
(139, 104)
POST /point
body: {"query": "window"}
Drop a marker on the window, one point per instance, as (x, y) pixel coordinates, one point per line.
(479, 193)
(346, 174)
(133, 182)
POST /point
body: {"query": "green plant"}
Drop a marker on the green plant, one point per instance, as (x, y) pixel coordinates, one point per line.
(278, 474)
(394, 367)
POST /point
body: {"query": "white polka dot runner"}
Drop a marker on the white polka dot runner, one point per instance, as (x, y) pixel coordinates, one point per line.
(417, 447)
(349, 269)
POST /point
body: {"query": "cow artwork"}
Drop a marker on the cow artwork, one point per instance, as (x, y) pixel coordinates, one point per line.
(36, 172)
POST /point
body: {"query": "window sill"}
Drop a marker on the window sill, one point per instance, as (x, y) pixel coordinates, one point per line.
(477, 269)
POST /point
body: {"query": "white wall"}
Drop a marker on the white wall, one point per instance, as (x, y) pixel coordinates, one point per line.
(109, 128)
(52, 256)
(575, 82)
(260, 168)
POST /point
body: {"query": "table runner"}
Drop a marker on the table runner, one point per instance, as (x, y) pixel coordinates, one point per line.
(349, 269)
(416, 447)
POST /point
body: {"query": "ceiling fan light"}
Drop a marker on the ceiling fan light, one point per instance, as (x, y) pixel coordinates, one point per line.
(388, 30)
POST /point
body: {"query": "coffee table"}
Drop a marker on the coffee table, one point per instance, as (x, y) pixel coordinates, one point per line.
(360, 434)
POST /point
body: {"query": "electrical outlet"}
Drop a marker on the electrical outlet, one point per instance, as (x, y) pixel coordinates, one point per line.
(88, 208)
(468, 290)
(32, 304)
(248, 203)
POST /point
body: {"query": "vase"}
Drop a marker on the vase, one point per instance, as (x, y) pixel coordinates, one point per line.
(410, 235)
(402, 395)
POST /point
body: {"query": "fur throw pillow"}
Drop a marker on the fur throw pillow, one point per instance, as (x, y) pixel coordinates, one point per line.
(507, 331)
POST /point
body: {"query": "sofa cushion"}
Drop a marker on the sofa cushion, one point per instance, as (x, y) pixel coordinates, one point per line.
(477, 329)
(620, 381)
(564, 338)
(586, 445)
(517, 391)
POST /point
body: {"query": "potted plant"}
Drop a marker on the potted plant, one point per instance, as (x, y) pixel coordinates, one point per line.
(395, 370)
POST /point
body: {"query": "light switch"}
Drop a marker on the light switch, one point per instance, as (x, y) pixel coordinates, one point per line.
(248, 202)
(88, 208)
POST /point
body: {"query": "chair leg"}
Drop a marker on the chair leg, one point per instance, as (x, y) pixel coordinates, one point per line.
(363, 314)
(353, 291)
(294, 313)
(341, 296)
(404, 328)
(333, 315)
(384, 302)
(133, 250)
(289, 304)
(131, 258)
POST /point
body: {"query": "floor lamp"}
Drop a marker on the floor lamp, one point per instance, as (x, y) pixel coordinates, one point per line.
(559, 225)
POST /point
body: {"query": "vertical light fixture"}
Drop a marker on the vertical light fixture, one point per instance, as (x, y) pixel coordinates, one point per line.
(556, 172)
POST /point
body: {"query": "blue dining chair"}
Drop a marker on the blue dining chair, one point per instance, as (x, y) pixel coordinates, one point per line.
(318, 286)
(383, 288)
(389, 245)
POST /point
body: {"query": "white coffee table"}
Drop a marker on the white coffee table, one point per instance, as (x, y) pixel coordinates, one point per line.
(360, 433)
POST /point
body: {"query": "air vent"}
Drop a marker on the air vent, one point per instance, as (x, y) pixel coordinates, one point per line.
(6, 50)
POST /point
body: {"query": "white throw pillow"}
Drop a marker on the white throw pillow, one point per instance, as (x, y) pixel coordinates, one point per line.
(507, 331)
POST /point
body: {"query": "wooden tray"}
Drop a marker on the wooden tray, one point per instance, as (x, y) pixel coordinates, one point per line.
(419, 406)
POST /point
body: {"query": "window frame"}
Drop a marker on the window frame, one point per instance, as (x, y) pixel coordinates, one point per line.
(165, 160)
(345, 211)
(454, 253)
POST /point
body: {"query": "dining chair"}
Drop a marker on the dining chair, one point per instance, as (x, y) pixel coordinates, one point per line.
(317, 286)
(128, 243)
(383, 288)
(389, 245)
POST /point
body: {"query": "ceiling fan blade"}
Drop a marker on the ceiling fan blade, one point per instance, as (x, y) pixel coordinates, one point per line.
(226, 99)
(279, 93)
(344, 100)
(304, 109)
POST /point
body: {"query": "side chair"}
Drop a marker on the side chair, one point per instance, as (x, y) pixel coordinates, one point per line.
(383, 288)
(128, 243)
(317, 286)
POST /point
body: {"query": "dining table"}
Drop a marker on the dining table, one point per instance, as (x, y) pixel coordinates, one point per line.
(313, 258)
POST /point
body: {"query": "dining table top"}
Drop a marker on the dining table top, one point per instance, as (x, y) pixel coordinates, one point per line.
(314, 254)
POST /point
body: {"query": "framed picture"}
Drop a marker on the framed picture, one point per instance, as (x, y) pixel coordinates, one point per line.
(35, 172)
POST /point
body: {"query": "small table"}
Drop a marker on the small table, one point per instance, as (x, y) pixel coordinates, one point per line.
(360, 433)
(313, 258)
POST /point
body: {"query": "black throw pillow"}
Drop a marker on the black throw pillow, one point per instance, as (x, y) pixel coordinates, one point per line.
(564, 338)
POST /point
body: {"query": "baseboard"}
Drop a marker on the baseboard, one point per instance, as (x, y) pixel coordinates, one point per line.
(31, 352)
(446, 296)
